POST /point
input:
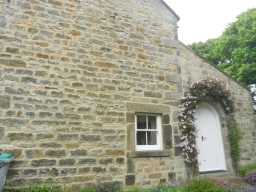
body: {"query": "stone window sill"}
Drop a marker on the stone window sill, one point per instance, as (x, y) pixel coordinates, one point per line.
(143, 154)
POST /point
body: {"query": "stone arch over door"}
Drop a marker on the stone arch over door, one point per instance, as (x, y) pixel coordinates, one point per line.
(215, 94)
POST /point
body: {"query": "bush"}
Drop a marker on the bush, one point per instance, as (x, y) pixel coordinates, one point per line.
(168, 189)
(88, 190)
(41, 188)
(48, 188)
(203, 185)
(247, 169)
(199, 185)
(137, 189)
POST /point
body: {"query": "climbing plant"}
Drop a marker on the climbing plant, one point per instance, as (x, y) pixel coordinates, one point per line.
(205, 90)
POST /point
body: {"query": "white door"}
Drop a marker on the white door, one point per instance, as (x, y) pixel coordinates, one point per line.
(209, 140)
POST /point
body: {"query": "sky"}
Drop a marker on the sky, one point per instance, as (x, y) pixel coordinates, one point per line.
(201, 20)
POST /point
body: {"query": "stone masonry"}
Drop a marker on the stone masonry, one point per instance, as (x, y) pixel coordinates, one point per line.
(73, 73)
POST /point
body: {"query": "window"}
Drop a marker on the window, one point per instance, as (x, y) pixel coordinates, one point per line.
(148, 132)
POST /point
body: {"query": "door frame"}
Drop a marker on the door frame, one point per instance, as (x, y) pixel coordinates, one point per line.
(224, 132)
(219, 140)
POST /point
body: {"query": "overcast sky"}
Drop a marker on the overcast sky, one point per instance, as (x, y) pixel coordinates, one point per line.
(204, 19)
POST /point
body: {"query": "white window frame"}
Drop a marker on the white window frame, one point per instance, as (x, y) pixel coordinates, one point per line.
(159, 145)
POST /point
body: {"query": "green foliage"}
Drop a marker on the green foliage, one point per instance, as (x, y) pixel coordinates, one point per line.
(245, 73)
(234, 140)
(159, 189)
(203, 185)
(234, 52)
(48, 188)
(132, 189)
(88, 190)
(246, 169)
(169, 189)
(37, 188)
(199, 185)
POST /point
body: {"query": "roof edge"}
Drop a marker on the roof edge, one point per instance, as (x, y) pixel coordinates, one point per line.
(171, 10)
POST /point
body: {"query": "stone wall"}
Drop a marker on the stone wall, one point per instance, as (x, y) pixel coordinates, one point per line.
(68, 70)
(194, 69)
(74, 73)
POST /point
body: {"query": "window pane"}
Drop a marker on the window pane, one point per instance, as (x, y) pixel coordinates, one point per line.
(151, 137)
(141, 138)
(151, 122)
(141, 122)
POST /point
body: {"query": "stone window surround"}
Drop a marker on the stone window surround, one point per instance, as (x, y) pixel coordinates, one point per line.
(157, 109)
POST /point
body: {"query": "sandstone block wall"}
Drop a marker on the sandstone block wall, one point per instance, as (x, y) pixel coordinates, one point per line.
(68, 69)
(193, 69)
(72, 76)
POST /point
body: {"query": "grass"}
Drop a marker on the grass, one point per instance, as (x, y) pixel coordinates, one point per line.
(246, 169)
(203, 185)
(198, 185)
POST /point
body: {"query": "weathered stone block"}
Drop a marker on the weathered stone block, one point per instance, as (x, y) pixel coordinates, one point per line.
(90, 138)
(13, 63)
(14, 173)
(152, 94)
(172, 176)
(3, 21)
(45, 114)
(55, 153)
(50, 145)
(68, 171)
(109, 187)
(67, 137)
(130, 166)
(149, 108)
(43, 163)
(30, 172)
(20, 136)
(67, 162)
(12, 50)
(167, 136)
(79, 152)
(105, 65)
(42, 56)
(130, 117)
(83, 109)
(178, 151)
(115, 152)
(55, 2)
(87, 161)
(106, 161)
(5, 102)
(166, 119)
(2, 132)
(130, 180)
(13, 122)
(34, 153)
(98, 169)
(84, 170)
(42, 136)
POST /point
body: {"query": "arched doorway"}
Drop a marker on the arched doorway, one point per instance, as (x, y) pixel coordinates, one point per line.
(209, 141)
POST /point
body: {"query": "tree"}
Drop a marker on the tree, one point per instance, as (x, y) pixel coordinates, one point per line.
(234, 52)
